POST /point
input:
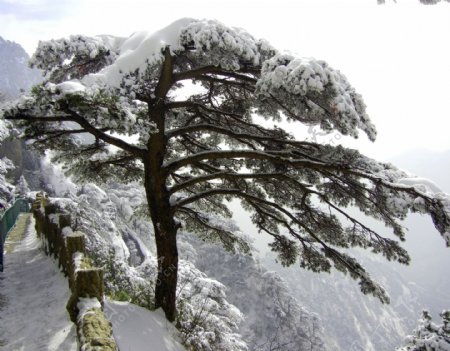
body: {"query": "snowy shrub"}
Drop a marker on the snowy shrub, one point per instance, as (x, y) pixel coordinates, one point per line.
(5, 166)
(207, 321)
(6, 189)
(429, 336)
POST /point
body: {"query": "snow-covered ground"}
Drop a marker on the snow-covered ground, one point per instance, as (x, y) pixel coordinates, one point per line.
(34, 292)
(136, 328)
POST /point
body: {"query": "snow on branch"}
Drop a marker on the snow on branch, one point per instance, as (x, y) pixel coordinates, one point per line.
(74, 57)
(313, 93)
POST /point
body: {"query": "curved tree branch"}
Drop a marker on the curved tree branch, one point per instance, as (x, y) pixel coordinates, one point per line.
(199, 72)
(121, 144)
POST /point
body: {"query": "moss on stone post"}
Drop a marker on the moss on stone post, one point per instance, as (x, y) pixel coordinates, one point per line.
(37, 208)
(75, 242)
(36, 205)
(43, 199)
(96, 331)
(64, 221)
(49, 209)
(48, 228)
(88, 283)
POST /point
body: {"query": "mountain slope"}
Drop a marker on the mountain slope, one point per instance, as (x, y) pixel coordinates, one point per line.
(15, 75)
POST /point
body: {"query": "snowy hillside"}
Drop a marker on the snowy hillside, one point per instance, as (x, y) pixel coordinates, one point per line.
(6, 165)
(135, 328)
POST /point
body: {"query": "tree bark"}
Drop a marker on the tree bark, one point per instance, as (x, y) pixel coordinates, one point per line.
(165, 229)
(158, 197)
(166, 282)
(162, 215)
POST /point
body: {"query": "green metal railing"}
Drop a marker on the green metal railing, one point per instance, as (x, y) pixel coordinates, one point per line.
(7, 221)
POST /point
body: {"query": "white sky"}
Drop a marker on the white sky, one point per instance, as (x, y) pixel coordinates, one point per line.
(396, 55)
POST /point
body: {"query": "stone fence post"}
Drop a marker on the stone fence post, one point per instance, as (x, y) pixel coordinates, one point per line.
(85, 305)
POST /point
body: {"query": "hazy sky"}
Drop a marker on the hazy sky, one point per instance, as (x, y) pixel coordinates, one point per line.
(396, 55)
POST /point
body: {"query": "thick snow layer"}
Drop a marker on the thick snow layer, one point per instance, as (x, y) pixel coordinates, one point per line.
(5, 165)
(139, 51)
(70, 87)
(34, 293)
(423, 184)
(330, 98)
(136, 328)
(217, 44)
(85, 304)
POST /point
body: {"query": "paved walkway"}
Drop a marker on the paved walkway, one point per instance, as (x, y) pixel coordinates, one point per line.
(33, 296)
(17, 233)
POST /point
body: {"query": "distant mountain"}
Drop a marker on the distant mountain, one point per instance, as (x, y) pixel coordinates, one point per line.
(15, 75)
(351, 320)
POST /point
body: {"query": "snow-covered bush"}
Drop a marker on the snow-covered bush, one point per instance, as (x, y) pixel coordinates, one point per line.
(6, 189)
(207, 321)
(274, 319)
(429, 336)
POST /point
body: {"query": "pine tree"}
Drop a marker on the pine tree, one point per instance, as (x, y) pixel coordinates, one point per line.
(183, 110)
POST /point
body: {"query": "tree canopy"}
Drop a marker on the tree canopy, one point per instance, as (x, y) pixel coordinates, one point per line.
(192, 112)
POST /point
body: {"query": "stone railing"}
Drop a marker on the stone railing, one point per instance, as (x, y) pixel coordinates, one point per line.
(85, 305)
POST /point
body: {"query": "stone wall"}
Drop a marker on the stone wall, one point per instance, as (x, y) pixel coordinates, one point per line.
(85, 305)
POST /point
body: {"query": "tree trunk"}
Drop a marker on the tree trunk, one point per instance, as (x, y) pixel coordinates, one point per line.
(158, 198)
(165, 230)
(166, 282)
(165, 227)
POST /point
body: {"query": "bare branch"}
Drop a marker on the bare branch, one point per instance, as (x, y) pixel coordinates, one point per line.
(47, 119)
(73, 116)
(276, 157)
(121, 144)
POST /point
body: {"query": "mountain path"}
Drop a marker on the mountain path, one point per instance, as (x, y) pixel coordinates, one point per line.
(33, 296)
